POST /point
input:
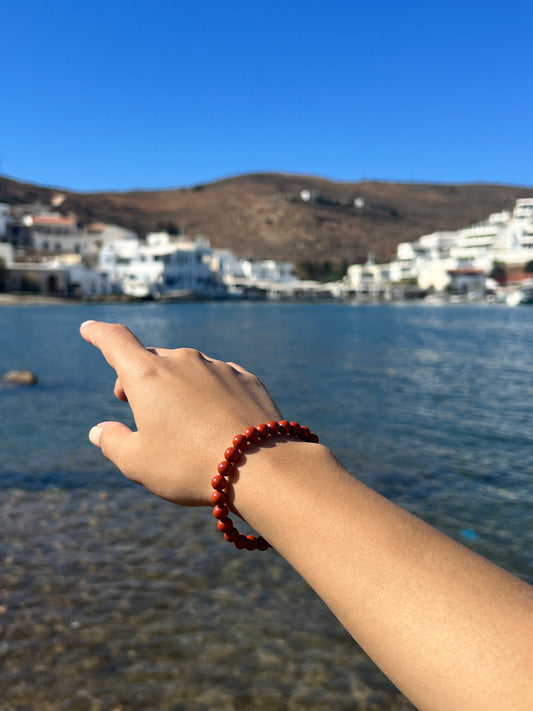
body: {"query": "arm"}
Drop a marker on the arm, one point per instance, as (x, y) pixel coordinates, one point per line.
(450, 629)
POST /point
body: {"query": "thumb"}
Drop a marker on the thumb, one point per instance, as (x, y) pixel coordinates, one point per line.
(110, 437)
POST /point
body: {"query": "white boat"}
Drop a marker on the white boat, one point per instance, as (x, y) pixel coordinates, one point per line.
(522, 295)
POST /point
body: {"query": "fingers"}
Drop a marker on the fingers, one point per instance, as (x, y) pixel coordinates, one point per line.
(119, 391)
(117, 343)
(113, 439)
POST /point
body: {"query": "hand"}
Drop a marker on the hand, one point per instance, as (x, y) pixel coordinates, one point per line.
(187, 408)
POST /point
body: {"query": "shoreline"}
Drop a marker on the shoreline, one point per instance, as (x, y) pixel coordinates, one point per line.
(12, 299)
(30, 299)
(7, 299)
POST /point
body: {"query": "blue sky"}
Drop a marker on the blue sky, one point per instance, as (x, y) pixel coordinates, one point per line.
(109, 94)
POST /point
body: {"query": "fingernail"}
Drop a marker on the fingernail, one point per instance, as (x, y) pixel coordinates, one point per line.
(85, 323)
(94, 435)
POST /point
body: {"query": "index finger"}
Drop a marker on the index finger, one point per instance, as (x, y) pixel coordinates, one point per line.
(119, 346)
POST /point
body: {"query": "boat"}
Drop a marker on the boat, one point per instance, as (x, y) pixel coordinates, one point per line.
(522, 295)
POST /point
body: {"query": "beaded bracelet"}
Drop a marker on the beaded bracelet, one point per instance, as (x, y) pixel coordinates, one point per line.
(252, 435)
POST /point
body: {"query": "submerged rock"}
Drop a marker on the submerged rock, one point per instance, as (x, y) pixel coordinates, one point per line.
(20, 377)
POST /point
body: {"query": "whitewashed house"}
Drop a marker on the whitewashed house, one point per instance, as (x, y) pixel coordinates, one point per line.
(474, 245)
(86, 282)
(54, 233)
(47, 277)
(163, 268)
(97, 234)
(514, 245)
(369, 281)
(267, 270)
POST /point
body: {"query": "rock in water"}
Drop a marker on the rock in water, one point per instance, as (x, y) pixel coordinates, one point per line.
(20, 377)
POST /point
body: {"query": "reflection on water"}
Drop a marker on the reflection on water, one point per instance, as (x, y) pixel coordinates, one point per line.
(112, 599)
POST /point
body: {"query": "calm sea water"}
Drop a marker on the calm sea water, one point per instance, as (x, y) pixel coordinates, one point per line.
(112, 599)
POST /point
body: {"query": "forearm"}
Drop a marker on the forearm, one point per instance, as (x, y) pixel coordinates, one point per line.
(449, 628)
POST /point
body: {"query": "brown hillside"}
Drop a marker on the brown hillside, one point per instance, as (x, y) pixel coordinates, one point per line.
(262, 216)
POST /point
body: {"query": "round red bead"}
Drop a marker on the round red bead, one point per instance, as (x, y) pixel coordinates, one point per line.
(263, 430)
(251, 434)
(225, 525)
(226, 468)
(295, 429)
(232, 454)
(232, 535)
(285, 426)
(251, 543)
(262, 545)
(219, 482)
(220, 511)
(240, 442)
(240, 542)
(273, 426)
(218, 497)
(305, 432)
(313, 438)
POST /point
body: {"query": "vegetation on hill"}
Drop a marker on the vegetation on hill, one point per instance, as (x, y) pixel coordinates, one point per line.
(263, 216)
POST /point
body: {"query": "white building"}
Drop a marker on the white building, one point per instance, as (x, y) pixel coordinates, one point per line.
(251, 271)
(161, 268)
(97, 234)
(6, 254)
(502, 238)
(514, 245)
(54, 233)
(265, 278)
(442, 259)
(86, 282)
(474, 245)
(4, 218)
(370, 280)
(49, 277)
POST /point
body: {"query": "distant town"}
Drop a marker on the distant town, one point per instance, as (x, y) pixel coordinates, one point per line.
(44, 252)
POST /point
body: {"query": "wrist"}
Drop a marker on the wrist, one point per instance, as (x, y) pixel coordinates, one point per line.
(243, 481)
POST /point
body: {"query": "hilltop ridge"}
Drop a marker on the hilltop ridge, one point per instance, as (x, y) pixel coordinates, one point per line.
(264, 216)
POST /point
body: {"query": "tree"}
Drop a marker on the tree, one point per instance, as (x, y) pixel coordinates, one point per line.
(499, 273)
(321, 271)
(169, 227)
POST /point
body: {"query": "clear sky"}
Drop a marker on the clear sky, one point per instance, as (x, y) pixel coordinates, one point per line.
(119, 94)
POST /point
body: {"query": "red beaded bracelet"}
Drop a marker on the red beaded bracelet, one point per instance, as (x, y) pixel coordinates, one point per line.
(252, 435)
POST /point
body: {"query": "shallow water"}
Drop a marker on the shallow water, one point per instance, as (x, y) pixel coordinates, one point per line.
(112, 599)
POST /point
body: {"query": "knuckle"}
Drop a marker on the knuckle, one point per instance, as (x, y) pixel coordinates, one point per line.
(189, 355)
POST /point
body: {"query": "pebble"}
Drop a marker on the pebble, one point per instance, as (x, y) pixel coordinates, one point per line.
(20, 377)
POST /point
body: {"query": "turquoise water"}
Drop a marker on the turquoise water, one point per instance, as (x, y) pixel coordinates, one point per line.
(112, 599)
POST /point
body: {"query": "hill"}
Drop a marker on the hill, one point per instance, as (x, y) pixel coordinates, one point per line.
(264, 216)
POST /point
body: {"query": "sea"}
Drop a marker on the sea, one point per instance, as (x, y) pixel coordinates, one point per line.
(113, 600)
